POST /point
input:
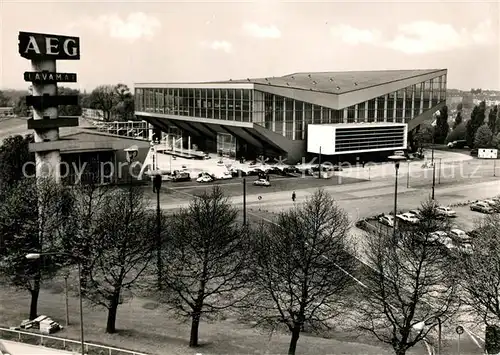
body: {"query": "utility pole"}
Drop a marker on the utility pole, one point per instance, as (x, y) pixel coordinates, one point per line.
(159, 265)
(319, 175)
(66, 298)
(433, 179)
(244, 201)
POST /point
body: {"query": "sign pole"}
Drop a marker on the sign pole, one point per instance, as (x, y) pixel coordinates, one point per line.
(459, 329)
(47, 162)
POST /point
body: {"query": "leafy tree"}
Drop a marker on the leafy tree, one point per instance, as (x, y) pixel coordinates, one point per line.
(457, 134)
(476, 121)
(301, 265)
(103, 98)
(495, 142)
(68, 110)
(119, 252)
(124, 107)
(4, 100)
(33, 218)
(483, 138)
(458, 120)
(423, 136)
(460, 107)
(412, 286)
(442, 127)
(20, 107)
(14, 155)
(205, 259)
(492, 119)
(113, 99)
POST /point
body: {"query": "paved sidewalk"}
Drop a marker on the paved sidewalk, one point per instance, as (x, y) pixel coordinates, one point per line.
(16, 348)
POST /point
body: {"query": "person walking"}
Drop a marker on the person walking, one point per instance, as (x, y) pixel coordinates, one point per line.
(293, 196)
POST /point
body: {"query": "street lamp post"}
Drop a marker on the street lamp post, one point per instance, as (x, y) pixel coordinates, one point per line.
(396, 159)
(35, 256)
(157, 180)
(433, 179)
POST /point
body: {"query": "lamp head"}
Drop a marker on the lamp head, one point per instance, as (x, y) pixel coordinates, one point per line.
(33, 256)
(396, 159)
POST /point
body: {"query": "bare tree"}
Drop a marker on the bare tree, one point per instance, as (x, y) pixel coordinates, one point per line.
(481, 271)
(301, 266)
(204, 260)
(412, 287)
(120, 250)
(33, 218)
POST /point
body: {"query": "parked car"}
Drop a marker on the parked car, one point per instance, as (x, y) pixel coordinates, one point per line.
(459, 236)
(262, 182)
(181, 176)
(445, 211)
(490, 202)
(447, 242)
(465, 248)
(205, 178)
(408, 217)
(437, 236)
(224, 176)
(416, 213)
(482, 207)
(387, 220)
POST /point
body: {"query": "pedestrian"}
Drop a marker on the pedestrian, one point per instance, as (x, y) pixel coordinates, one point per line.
(293, 196)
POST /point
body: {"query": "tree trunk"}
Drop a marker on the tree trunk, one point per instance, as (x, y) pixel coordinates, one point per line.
(195, 324)
(293, 342)
(112, 311)
(34, 301)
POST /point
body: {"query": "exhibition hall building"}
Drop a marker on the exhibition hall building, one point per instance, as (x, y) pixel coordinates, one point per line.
(339, 114)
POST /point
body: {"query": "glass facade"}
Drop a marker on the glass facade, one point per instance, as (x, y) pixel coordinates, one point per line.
(287, 116)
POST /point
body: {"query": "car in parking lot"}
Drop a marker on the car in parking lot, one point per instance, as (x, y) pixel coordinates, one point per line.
(447, 242)
(459, 236)
(465, 248)
(490, 202)
(262, 182)
(445, 211)
(437, 236)
(416, 213)
(482, 207)
(205, 178)
(387, 220)
(408, 217)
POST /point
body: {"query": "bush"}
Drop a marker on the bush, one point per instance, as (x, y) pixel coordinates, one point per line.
(483, 137)
(459, 133)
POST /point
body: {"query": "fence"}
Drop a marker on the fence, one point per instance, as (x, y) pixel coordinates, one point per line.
(62, 343)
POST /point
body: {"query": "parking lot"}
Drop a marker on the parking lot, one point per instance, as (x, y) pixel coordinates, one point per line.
(465, 218)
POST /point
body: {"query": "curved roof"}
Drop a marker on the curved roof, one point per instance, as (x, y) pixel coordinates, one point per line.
(336, 82)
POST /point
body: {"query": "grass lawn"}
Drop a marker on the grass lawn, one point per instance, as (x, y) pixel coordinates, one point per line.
(150, 329)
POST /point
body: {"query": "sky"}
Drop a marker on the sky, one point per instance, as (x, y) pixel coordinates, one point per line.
(136, 42)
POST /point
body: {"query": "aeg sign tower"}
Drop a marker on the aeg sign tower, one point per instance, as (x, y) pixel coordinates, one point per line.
(43, 50)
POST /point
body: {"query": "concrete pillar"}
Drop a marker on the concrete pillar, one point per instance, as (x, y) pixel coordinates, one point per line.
(48, 163)
(189, 144)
